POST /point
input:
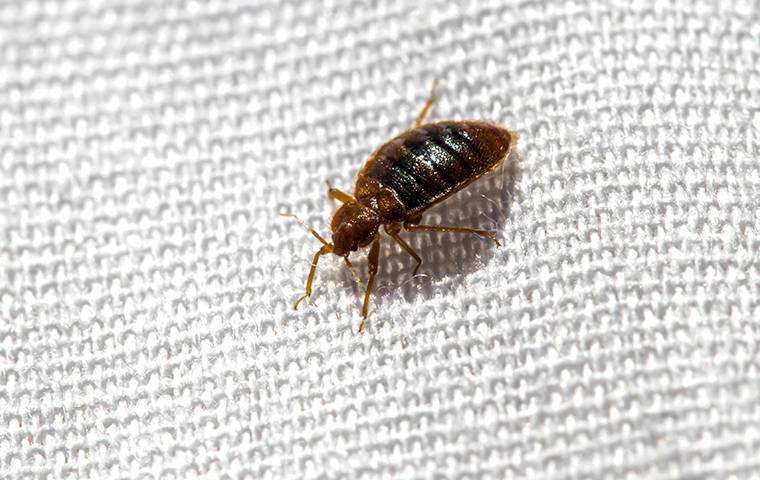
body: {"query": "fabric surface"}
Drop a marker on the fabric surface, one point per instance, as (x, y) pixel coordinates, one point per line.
(147, 280)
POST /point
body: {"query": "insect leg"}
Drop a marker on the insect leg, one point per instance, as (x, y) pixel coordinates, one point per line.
(353, 272)
(338, 195)
(426, 107)
(310, 280)
(440, 228)
(393, 232)
(372, 261)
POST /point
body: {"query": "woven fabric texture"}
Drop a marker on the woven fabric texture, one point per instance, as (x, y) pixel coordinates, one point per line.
(147, 280)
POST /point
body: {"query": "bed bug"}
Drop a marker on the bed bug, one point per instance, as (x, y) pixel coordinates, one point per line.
(404, 177)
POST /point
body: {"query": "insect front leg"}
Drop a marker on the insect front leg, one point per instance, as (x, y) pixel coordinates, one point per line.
(372, 261)
(312, 270)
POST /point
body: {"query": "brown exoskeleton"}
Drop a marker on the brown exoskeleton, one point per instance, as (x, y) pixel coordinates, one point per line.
(403, 178)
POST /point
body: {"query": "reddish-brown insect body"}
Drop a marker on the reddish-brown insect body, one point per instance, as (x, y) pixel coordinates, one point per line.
(403, 178)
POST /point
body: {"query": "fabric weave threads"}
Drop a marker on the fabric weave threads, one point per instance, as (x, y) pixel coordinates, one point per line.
(146, 280)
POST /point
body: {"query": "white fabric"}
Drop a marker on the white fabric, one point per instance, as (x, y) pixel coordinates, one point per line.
(146, 278)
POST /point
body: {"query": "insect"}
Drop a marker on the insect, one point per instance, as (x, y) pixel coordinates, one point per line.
(404, 177)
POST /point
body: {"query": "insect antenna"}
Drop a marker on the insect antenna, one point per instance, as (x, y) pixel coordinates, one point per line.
(313, 232)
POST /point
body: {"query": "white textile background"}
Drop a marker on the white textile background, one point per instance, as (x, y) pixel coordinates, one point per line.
(146, 280)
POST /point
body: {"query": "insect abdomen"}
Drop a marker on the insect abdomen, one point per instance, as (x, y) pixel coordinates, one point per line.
(426, 164)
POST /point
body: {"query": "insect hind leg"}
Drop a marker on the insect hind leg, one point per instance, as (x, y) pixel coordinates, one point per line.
(428, 103)
(442, 228)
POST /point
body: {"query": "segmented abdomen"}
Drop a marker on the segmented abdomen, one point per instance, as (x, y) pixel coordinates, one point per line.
(426, 164)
